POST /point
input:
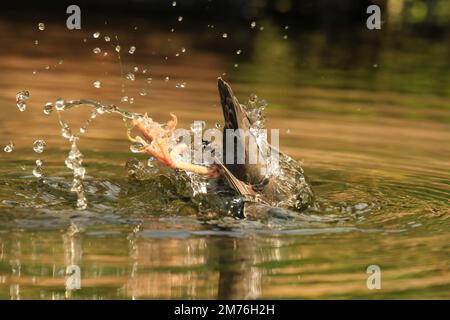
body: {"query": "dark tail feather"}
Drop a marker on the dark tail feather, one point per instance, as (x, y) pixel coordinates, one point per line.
(235, 117)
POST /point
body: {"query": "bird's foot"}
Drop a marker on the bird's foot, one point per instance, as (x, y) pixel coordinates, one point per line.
(155, 142)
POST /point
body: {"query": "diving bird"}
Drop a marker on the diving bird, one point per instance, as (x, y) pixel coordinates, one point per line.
(283, 185)
(287, 187)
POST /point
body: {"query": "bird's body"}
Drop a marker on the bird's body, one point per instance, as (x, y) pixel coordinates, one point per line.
(287, 187)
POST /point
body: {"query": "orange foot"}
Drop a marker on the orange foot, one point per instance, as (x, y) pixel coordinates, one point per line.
(157, 138)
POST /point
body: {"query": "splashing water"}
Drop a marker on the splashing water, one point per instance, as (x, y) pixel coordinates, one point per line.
(21, 100)
(38, 146)
(38, 171)
(9, 147)
(48, 108)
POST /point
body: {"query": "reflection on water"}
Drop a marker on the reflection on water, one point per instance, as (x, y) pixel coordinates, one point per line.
(369, 116)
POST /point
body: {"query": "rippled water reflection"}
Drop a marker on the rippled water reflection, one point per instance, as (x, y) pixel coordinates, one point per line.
(378, 159)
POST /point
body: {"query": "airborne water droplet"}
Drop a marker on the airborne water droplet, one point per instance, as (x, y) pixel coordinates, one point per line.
(48, 108)
(253, 24)
(239, 51)
(130, 76)
(37, 172)
(97, 84)
(41, 26)
(143, 92)
(117, 48)
(107, 39)
(38, 146)
(166, 79)
(181, 85)
(21, 100)
(9, 147)
(60, 104)
(97, 50)
(174, 3)
(132, 50)
(180, 18)
(96, 35)
(225, 35)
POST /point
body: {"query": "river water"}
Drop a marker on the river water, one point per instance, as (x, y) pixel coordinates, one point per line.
(370, 119)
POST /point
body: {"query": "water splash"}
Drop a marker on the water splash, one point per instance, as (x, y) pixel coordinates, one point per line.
(21, 100)
(39, 145)
(9, 147)
(38, 171)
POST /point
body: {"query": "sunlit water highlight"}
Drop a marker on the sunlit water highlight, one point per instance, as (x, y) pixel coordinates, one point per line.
(378, 162)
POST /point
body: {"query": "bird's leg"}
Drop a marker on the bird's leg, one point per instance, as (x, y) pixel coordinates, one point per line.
(156, 141)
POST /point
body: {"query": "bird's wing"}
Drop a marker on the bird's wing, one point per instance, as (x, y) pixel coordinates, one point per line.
(241, 187)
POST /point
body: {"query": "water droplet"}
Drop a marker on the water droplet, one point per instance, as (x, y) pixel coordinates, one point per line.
(60, 62)
(172, 30)
(375, 65)
(285, 36)
(60, 104)
(239, 51)
(181, 85)
(236, 65)
(174, 3)
(131, 100)
(48, 108)
(144, 71)
(180, 18)
(117, 48)
(130, 76)
(36, 42)
(132, 50)
(143, 92)
(21, 100)
(41, 26)
(135, 69)
(9, 147)
(47, 67)
(261, 28)
(38, 146)
(124, 99)
(137, 147)
(149, 80)
(96, 35)
(97, 50)
(34, 72)
(150, 162)
(253, 24)
(183, 49)
(107, 39)
(218, 125)
(97, 84)
(166, 79)
(38, 172)
(225, 35)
